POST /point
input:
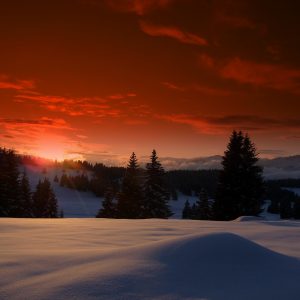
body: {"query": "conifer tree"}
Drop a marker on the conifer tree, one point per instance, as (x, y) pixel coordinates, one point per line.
(56, 179)
(9, 183)
(44, 201)
(130, 199)
(108, 209)
(187, 210)
(25, 203)
(203, 209)
(240, 186)
(156, 196)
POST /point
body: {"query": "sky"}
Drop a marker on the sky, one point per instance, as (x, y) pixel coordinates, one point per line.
(98, 79)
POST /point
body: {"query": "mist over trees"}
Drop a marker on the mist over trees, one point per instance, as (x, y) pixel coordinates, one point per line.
(16, 198)
(135, 192)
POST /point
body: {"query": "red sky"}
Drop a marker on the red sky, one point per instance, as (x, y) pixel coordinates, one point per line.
(98, 79)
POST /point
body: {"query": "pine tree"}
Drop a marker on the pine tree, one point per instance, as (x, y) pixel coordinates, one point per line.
(56, 179)
(25, 204)
(130, 199)
(156, 195)
(240, 186)
(286, 211)
(252, 181)
(296, 209)
(187, 210)
(9, 184)
(108, 209)
(44, 201)
(203, 209)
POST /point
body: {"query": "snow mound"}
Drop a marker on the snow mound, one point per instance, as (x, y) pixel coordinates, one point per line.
(249, 218)
(214, 266)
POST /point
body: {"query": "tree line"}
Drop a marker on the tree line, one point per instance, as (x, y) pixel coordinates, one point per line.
(16, 198)
(134, 192)
(143, 193)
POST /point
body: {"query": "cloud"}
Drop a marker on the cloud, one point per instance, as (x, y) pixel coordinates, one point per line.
(121, 96)
(43, 122)
(220, 125)
(139, 7)
(237, 21)
(94, 106)
(206, 60)
(7, 83)
(172, 32)
(201, 89)
(272, 76)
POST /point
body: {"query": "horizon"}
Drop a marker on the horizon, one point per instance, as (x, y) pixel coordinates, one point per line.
(97, 80)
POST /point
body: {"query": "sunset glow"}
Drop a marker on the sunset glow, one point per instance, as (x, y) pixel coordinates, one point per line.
(97, 80)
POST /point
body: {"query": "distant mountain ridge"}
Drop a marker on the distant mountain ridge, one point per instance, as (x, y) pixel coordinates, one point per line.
(279, 167)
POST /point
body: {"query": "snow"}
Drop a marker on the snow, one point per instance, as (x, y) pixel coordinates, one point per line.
(76, 204)
(149, 259)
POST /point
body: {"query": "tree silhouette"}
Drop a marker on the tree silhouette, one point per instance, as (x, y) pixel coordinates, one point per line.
(203, 208)
(9, 184)
(130, 199)
(25, 203)
(156, 195)
(240, 186)
(187, 210)
(44, 201)
(108, 209)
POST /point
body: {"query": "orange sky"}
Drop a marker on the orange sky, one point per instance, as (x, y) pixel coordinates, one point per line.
(98, 79)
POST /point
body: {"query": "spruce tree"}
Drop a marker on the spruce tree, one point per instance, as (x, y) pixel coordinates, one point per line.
(44, 201)
(25, 204)
(9, 184)
(187, 210)
(108, 209)
(56, 179)
(240, 185)
(130, 199)
(203, 209)
(252, 181)
(156, 195)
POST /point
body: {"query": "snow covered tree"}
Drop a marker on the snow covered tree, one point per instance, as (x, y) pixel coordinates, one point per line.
(156, 195)
(108, 209)
(9, 183)
(130, 198)
(203, 209)
(25, 203)
(240, 186)
(44, 201)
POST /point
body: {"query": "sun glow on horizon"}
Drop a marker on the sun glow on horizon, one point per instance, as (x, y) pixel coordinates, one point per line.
(54, 149)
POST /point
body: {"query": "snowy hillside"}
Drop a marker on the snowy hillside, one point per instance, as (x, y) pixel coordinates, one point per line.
(149, 259)
(77, 204)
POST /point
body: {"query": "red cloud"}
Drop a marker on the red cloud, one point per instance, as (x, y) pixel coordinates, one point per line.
(173, 32)
(267, 75)
(201, 89)
(95, 106)
(7, 83)
(140, 7)
(221, 124)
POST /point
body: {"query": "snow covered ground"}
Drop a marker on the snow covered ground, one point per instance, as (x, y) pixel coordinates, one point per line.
(149, 259)
(77, 204)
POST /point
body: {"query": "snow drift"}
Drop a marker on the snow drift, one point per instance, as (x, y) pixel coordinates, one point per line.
(148, 259)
